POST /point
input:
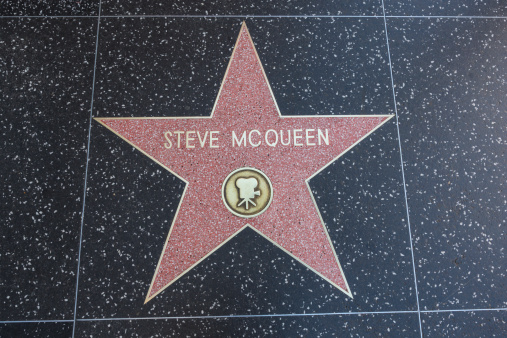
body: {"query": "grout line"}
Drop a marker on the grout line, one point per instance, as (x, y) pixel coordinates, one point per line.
(46, 16)
(402, 171)
(251, 316)
(309, 16)
(286, 315)
(247, 316)
(86, 171)
(36, 321)
(445, 17)
(464, 310)
(189, 16)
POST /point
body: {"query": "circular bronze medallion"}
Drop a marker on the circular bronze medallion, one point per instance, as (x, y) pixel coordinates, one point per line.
(247, 192)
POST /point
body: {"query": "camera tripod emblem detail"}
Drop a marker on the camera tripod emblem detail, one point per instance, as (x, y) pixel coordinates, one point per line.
(247, 192)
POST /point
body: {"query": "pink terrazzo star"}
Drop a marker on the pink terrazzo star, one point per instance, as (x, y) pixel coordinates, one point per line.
(202, 152)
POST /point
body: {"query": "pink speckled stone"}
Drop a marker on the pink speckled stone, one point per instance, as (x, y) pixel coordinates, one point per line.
(203, 222)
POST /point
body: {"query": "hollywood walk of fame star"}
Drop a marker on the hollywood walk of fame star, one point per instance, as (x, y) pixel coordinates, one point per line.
(245, 130)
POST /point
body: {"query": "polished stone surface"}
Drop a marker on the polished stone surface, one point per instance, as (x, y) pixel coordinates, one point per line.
(380, 325)
(49, 8)
(47, 72)
(14, 330)
(465, 324)
(446, 7)
(449, 83)
(320, 66)
(241, 7)
(452, 107)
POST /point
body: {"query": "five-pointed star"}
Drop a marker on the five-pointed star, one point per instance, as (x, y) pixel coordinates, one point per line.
(202, 222)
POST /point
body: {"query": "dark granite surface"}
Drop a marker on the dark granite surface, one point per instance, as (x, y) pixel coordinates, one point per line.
(446, 7)
(268, 7)
(384, 325)
(465, 324)
(49, 7)
(449, 82)
(47, 72)
(451, 93)
(318, 66)
(42, 330)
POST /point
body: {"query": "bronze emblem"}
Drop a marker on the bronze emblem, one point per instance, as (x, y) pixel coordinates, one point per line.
(247, 192)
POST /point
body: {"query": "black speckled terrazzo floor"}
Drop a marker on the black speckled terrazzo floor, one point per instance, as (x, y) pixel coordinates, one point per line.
(416, 212)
